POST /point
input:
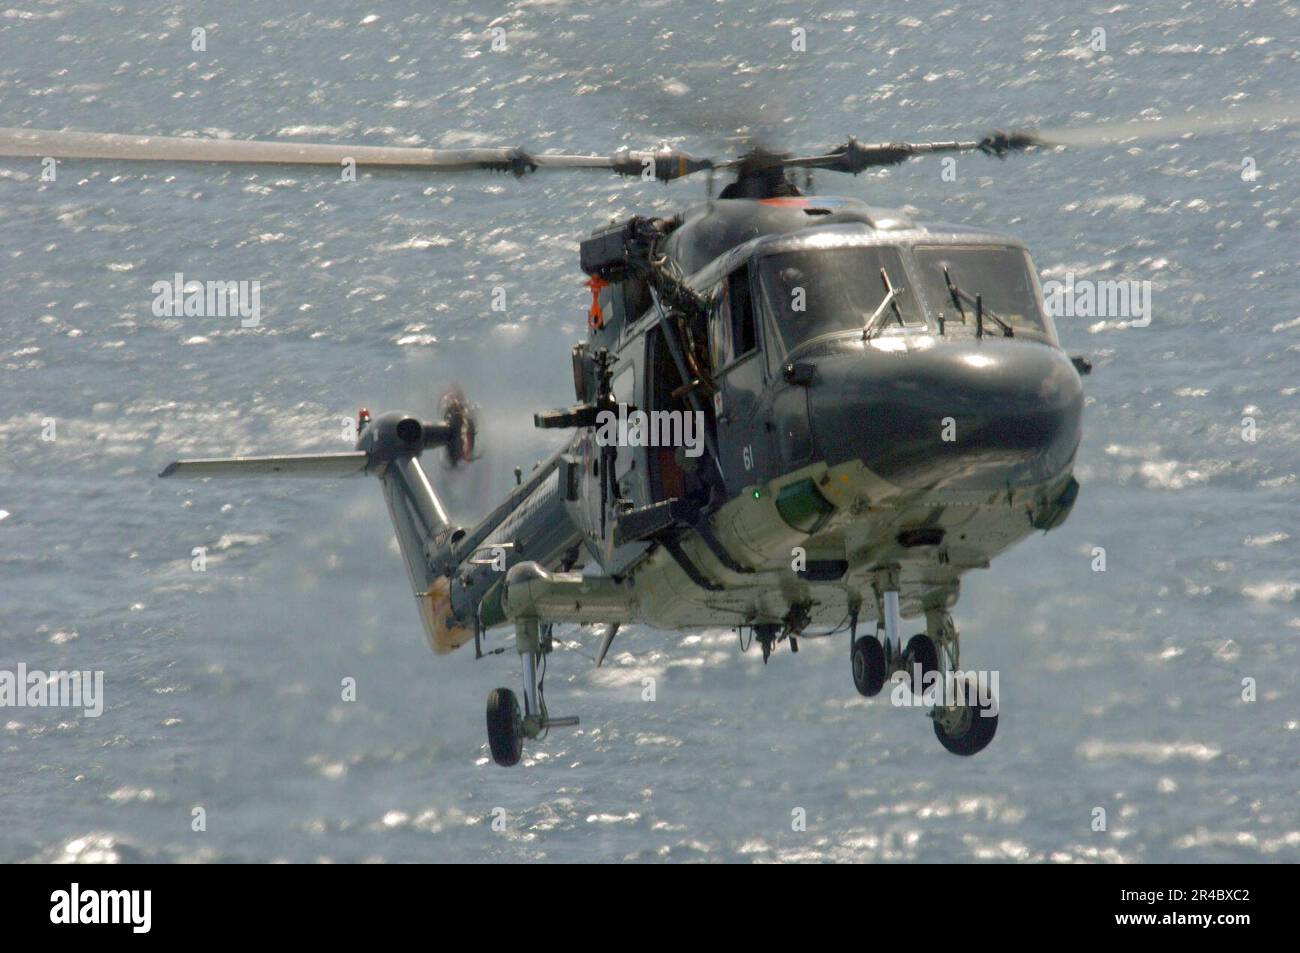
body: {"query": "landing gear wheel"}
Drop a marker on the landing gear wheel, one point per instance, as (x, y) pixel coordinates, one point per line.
(965, 729)
(868, 665)
(920, 651)
(505, 727)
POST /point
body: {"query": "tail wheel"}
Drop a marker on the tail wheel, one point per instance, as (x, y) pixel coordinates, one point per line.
(966, 729)
(868, 666)
(921, 651)
(505, 726)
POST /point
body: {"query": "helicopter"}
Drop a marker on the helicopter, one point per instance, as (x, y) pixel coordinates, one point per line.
(794, 414)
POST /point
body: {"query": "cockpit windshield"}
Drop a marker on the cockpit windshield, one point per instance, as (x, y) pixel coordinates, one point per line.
(817, 291)
(953, 275)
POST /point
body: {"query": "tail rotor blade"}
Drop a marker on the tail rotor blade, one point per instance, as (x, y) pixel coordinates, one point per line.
(461, 419)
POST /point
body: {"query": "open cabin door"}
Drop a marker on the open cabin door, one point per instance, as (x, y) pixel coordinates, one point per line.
(682, 469)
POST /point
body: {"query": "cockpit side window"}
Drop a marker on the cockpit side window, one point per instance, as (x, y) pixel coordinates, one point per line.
(734, 333)
(743, 337)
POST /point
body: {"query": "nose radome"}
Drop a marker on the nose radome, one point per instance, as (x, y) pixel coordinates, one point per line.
(963, 415)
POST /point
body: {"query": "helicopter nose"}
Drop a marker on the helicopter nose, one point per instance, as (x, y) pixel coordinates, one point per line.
(973, 415)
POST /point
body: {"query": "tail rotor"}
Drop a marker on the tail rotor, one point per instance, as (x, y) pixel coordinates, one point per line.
(461, 419)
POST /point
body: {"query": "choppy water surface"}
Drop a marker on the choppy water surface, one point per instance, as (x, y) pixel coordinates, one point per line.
(1119, 690)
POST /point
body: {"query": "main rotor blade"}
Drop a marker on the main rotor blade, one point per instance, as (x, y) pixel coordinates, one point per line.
(664, 164)
(854, 157)
(1227, 120)
(103, 145)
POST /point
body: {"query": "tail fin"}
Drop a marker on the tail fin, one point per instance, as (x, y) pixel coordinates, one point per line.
(388, 447)
(299, 465)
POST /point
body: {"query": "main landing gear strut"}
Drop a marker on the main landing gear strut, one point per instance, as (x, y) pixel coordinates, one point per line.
(963, 723)
(507, 726)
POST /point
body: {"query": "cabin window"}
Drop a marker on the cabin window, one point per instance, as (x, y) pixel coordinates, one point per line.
(811, 292)
(734, 331)
(1000, 275)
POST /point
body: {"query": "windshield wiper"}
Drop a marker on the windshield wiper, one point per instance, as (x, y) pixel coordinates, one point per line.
(892, 295)
(980, 311)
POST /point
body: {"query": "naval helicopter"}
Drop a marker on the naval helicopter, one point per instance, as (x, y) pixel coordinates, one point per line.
(795, 415)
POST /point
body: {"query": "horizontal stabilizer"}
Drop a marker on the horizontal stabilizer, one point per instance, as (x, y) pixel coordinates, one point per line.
(302, 465)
